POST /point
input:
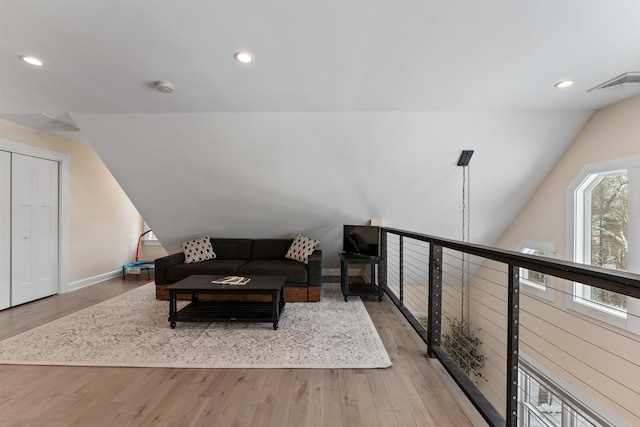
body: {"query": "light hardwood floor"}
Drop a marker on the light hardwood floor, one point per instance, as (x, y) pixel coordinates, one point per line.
(415, 391)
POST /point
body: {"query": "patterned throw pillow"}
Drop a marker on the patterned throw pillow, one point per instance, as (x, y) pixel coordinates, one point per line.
(301, 248)
(198, 250)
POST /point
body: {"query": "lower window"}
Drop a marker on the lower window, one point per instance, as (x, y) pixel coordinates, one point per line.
(543, 405)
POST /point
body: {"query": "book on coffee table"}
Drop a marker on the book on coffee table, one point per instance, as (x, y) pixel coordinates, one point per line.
(231, 280)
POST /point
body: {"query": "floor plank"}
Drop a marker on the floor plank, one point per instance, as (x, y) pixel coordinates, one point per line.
(316, 407)
(415, 391)
(366, 406)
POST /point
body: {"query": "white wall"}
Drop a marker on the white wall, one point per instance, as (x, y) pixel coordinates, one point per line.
(103, 223)
(605, 369)
(611, 133)
(277, 174)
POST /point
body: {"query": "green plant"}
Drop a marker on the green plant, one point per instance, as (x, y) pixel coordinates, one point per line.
(462, 343)
(423, 321)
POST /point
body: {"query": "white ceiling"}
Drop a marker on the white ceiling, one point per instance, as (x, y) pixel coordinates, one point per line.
(442, 65)
(314, 55)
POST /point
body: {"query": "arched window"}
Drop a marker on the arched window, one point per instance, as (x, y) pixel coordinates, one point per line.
(603, 229)
(602, 211)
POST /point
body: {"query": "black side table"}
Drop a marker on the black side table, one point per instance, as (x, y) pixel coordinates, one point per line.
(375, 288)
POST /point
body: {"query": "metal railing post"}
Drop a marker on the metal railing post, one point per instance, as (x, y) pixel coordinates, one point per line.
(401, 271)
(513, 320)
(435, 298)
(382, 268)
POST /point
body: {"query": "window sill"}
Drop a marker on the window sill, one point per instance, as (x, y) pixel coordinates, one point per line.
(620, 320)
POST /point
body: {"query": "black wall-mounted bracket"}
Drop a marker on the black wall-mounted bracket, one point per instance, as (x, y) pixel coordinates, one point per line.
(465, 158)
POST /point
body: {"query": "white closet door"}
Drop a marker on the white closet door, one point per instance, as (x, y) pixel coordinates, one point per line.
(5, 229)
(34, 207)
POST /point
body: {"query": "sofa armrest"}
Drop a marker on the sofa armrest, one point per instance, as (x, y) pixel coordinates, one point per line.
(161, 265)
(314, 268)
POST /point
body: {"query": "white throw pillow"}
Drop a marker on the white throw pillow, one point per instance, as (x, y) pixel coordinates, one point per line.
(301, 248)
(198, 250)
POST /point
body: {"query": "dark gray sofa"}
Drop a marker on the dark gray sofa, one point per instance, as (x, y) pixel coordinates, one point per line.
(247, 257)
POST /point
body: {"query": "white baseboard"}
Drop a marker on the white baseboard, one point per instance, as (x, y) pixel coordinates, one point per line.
(79, 284)
(330, 271)
(354, 271)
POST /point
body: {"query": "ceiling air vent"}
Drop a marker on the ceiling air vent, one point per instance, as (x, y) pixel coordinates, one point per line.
(630, 79)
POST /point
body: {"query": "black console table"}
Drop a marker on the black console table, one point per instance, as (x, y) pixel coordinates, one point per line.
(374, 288)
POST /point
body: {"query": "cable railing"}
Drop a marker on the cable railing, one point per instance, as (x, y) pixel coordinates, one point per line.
(523, 358)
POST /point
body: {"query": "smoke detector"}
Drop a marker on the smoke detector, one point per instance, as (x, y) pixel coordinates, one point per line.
(164, 87)
(630, 79)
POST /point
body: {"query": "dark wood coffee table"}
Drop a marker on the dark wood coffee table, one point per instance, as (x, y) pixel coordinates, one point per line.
(227, 311)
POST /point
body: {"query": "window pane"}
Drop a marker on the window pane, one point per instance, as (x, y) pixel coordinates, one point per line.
(609, 223)
(608, 233)
(581, 421)
(545, 403)
(608, 298)
(150, 235)
(531, 277)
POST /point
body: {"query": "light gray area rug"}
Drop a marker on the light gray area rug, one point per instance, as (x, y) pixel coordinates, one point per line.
(132, 330)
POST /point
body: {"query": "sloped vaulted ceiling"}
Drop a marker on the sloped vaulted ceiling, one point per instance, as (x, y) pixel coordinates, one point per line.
(351, 110)
(274, 174)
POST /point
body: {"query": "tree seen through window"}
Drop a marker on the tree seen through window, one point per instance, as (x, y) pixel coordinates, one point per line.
(609, 207)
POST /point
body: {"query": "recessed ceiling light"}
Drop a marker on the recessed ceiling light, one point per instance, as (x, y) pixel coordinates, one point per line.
(32, 60)
(564, 83)
(243, 57)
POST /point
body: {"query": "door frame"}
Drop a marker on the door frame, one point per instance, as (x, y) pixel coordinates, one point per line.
(63, 160)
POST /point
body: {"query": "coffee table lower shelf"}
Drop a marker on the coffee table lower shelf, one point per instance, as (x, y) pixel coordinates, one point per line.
(217, 311)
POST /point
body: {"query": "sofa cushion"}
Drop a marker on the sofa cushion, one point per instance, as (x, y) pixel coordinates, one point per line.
(270, 248)
(301, 248)
(232, 248)
(198, 250)
(295, 272)
(213, 266)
